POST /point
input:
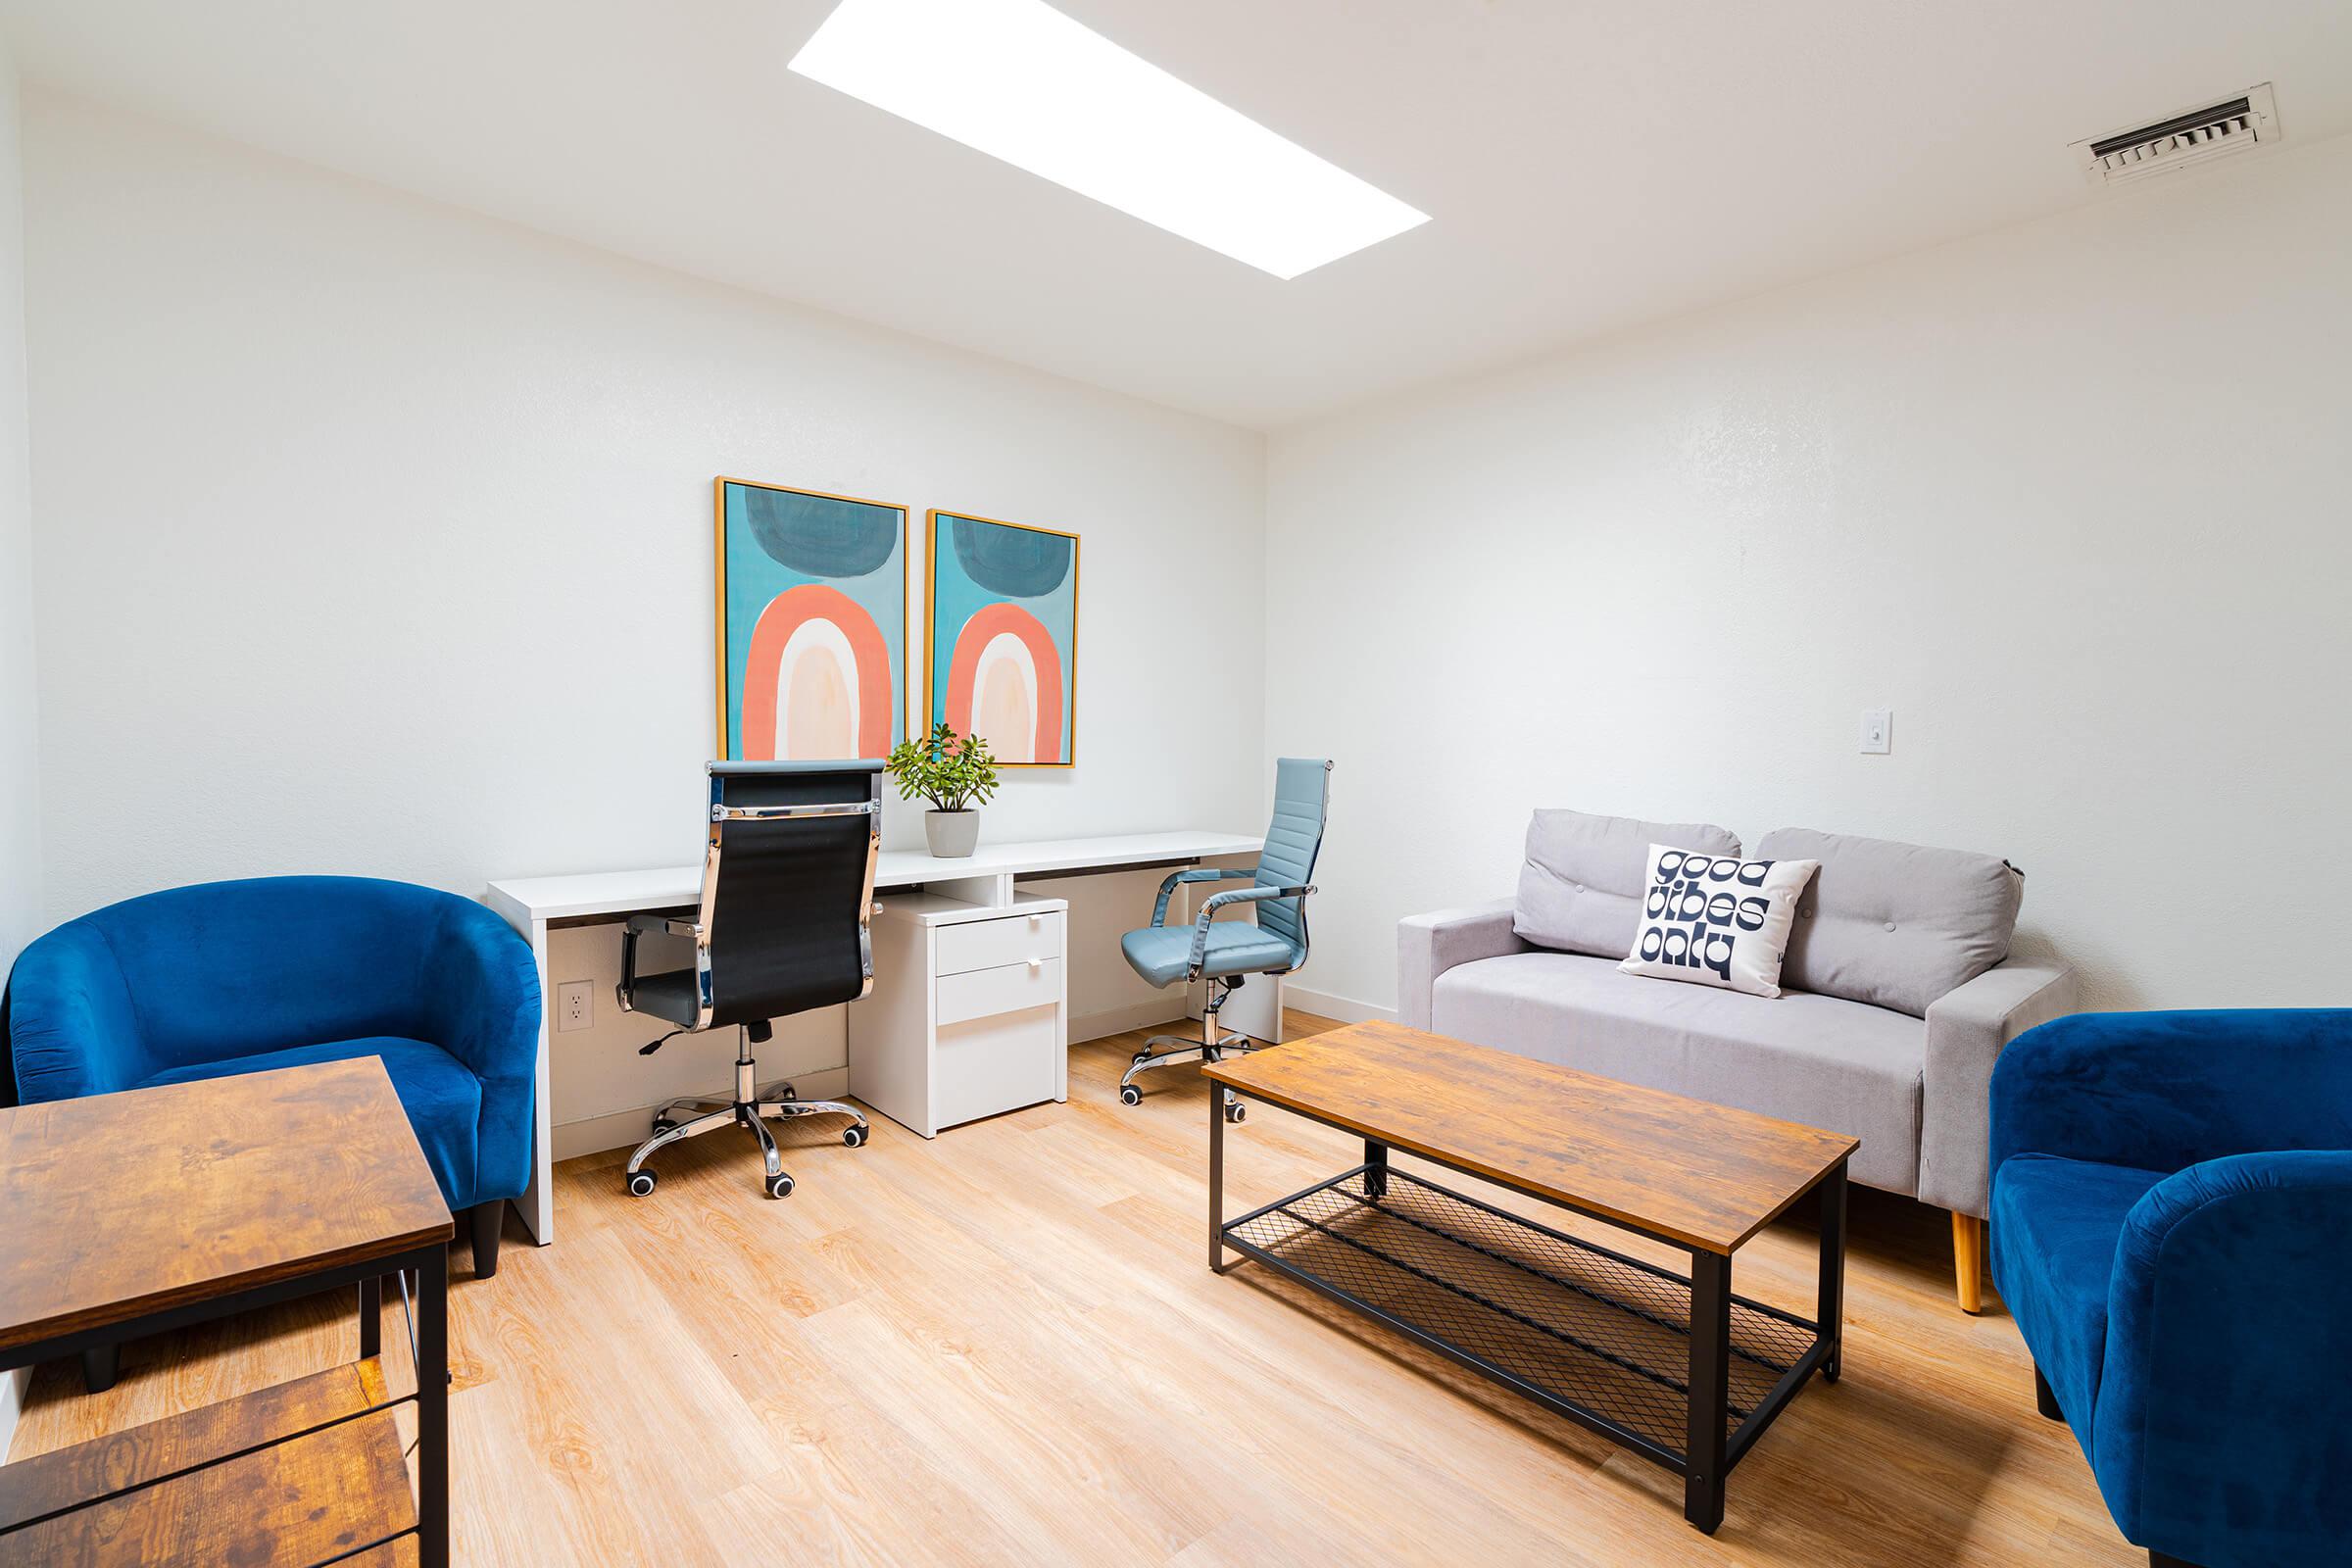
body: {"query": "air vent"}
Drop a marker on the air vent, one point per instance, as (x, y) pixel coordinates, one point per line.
(2194, 137)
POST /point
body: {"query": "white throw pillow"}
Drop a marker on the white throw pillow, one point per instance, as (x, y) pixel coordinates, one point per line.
(1717, 920)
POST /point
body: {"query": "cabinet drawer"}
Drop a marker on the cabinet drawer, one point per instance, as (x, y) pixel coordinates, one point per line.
(1007, 989)
(990, 944)
(997, 1063)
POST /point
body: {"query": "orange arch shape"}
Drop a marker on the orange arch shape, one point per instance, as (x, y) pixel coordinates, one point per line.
(763, 666)
(986, 624)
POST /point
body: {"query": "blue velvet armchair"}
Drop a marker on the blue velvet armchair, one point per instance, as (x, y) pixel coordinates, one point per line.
(231, 977)
(2172, 1227)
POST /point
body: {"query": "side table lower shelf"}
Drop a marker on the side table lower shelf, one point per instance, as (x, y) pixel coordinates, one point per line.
(1594, 1335)
(307, 1472)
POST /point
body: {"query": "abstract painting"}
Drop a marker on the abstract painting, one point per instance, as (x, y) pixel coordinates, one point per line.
(812, 624)
(1004, 654)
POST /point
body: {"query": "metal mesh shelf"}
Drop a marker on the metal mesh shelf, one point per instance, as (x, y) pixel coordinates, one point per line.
(1571, 1323)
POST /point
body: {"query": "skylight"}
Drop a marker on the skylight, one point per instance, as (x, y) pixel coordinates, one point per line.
(1018, 80)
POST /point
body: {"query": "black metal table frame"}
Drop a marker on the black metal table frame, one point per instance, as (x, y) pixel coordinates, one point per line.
(430, 1347)
(1709, 1452)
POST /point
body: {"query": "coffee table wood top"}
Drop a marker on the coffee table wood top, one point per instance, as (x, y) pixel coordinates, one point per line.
(1706, 1176)
(118, 1205)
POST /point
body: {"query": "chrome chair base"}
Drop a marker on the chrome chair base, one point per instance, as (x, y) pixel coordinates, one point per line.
(1210, 1047)
(750, 1109)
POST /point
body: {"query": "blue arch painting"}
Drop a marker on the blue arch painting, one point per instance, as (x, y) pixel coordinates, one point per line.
(813, 623)
(1004, 654)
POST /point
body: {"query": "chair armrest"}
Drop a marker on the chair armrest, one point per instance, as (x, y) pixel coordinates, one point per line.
(659, 925)
(73, 1029)
(663, 925)
(1197, 873)
(1429, 944)
(1217, 900)
(2162, 1090)
(2220, 1426)
(1967, 1028)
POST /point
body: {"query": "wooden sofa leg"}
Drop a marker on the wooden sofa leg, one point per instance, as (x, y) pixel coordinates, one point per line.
(1968, 1260)
(485, 1220)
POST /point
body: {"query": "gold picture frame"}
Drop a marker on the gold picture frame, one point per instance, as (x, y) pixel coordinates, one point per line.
(1068, 656)
(902, 691)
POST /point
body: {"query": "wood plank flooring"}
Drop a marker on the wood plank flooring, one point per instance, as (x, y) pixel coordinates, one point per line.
(1005, 1346)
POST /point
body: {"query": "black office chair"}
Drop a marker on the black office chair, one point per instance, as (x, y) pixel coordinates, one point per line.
(788, 892)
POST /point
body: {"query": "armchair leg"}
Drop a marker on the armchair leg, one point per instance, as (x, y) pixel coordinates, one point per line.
(2161, 1559)
(2044, 1398)
(1968, 1260)
(485, 1221)
(101, 1364)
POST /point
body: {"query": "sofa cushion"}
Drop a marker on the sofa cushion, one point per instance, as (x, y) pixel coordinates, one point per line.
(1716, 920)
(443, 1099)
(1579, 888)
(1816, 1059)
(2055, 1225)
(1895, 926)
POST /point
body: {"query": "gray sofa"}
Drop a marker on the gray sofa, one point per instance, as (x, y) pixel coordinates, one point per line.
(1898, 993)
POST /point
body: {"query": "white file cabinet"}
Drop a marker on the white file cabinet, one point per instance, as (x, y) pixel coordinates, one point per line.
(969, 1014)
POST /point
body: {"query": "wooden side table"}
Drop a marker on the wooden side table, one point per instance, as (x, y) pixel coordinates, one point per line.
(131, 1214)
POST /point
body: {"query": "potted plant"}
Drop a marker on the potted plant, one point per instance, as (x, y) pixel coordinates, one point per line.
(954, 773)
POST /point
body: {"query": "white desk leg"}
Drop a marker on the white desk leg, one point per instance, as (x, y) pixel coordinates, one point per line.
(538, 1201)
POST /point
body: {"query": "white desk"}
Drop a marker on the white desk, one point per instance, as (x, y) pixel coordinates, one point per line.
(531, 905)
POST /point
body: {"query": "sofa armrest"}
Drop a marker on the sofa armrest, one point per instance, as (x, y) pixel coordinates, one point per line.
(1429, 944)
(1967, 1028)
(2220, 1398)
(73, 1029)
(484, 1010)
(484, 995)
(2163, 1091)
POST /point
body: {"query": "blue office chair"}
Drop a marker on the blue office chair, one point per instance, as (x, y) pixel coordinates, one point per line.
(1224, 951)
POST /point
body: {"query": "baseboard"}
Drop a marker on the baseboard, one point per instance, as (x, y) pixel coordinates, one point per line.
(1118, 1020)
(1346, 1010)
(625, 1129)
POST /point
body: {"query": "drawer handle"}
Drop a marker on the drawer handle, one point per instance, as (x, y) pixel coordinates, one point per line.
(1037, 964)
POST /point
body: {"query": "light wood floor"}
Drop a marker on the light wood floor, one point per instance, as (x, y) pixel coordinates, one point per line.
(1006, 1347)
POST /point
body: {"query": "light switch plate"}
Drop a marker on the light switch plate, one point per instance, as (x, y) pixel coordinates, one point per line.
(575, 1005)
(1877, 731)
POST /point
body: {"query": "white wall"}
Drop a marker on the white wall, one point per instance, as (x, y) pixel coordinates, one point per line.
(375, 536)
(2074, 499)
(19, 781)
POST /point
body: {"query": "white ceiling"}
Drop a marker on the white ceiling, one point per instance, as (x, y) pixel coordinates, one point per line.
(1588, 163)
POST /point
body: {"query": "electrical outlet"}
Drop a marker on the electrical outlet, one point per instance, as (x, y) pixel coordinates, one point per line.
(1877, 731)
(575, 1005)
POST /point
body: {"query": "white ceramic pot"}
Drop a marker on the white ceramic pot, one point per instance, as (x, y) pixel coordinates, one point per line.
(952, 834)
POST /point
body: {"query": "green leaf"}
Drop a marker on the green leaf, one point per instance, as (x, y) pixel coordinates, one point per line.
(952, 771)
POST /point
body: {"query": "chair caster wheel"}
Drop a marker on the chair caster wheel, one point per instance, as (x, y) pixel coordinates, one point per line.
(854, 1135)
(778, 1185)
(663, 1124)
(641, 1183)
(1129, 1095)
(1237, 1112)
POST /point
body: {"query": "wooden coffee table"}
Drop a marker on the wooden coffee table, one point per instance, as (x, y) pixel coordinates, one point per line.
(1678, 1369)
(153, 1208)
